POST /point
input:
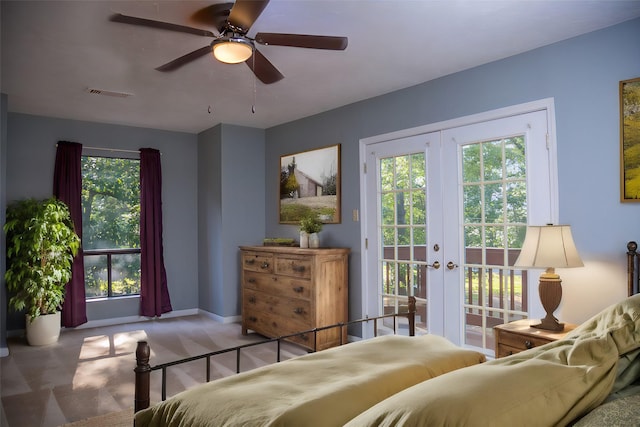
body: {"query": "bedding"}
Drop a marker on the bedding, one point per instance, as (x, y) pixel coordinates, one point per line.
(326, 388)
(545, 386)
(622, 412)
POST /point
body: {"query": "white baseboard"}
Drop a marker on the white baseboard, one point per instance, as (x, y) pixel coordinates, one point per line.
(132, 319)
(220, 319)
(353, 338)
(4, 351)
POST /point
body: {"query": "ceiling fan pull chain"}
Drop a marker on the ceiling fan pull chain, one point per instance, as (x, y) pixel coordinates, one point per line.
(253, 107)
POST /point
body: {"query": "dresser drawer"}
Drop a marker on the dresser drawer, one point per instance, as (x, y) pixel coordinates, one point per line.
(505, 350)
(290, 287)
(257, 261)
(272, 324)
(293, 266)
(520, 341)
(288, 308)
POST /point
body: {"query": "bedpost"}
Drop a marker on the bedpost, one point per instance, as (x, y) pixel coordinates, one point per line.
(143, 372)
(632, 248)
(412, 316)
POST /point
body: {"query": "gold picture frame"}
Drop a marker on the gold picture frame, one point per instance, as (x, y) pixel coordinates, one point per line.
(310, 184)
(630, 140)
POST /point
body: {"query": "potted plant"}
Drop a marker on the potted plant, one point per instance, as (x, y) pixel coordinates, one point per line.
(310, 226)
(41, 244)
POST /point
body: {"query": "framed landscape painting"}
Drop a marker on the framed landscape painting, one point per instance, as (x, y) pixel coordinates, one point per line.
(630, 140)
(310, 185)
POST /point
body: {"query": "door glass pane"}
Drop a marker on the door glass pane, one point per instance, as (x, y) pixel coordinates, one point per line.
(403, 232)
(495, 217)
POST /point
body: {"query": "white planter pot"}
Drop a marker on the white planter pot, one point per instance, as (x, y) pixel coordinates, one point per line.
(304, 239)
(44, 330)
(314, 240)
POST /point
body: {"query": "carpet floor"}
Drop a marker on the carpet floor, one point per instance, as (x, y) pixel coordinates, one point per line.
(89, 372)
(112, 419)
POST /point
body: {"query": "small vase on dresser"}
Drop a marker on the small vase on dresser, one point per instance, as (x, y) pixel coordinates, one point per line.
(310, 225)
(304, 239)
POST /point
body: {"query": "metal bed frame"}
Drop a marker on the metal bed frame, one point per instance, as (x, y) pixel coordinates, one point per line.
(143, 351)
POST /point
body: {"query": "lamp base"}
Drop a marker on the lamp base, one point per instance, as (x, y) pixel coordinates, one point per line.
(549, 325)
(550, 290)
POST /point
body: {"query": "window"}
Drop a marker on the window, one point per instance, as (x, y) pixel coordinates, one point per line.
(111, 226)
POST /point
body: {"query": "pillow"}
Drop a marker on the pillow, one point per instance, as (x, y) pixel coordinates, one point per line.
(621, 321)
(326, 388)
(544, 386)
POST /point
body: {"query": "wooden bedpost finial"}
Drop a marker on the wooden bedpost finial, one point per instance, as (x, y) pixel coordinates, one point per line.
(632, 264)
(412, 316)
(143, 372)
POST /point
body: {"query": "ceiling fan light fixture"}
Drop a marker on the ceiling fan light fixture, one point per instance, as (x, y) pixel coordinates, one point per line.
(232, 50)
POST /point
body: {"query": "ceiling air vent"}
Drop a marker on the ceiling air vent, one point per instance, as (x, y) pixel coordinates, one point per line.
(108, 93)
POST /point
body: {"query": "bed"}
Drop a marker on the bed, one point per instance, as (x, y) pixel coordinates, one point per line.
(589, 378)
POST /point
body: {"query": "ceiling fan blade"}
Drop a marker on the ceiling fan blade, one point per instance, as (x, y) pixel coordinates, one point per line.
(302, 40)
(263, 69)
(245, 12)
(214, 15)
(179, 62)
(118, 17)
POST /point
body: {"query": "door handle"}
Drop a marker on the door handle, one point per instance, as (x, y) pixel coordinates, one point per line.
(435, 265)
(451, 265)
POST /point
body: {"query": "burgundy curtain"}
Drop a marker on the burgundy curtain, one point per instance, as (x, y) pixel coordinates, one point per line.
(154, 295)
(67, 187)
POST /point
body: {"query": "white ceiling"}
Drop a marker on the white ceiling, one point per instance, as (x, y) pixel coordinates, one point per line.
(52, 51)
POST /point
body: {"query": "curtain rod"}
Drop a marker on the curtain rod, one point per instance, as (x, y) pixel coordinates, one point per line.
(111, 149)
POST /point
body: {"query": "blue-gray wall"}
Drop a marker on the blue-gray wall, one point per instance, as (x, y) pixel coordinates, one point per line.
(225, 180)
(209, 217)
(230, 205)
(29, 173)
(582, 75)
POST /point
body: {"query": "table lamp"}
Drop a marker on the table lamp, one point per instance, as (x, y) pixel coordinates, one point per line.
(550, 247)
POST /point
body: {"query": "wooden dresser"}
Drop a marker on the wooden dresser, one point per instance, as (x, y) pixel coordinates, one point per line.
(289, 289)
(518, 336)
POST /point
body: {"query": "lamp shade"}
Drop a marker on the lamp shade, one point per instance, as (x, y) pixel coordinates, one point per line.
(548, 246)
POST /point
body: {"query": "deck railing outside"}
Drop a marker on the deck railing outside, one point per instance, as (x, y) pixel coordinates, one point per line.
(511, 297)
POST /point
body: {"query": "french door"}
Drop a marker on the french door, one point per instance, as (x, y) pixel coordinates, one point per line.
(402, 252)
(445, 218)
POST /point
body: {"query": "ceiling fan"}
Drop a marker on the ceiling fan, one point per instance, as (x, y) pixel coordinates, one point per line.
(232, 45)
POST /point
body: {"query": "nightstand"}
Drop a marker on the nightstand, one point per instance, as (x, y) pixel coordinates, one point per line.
(518, 336)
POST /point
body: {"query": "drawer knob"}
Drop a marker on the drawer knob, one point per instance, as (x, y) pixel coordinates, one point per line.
(252, 318)
(298, 289)
(252, 299)
(252, 280)
(528, 344)
(298, 268)
(298, 310)
(264, 265)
